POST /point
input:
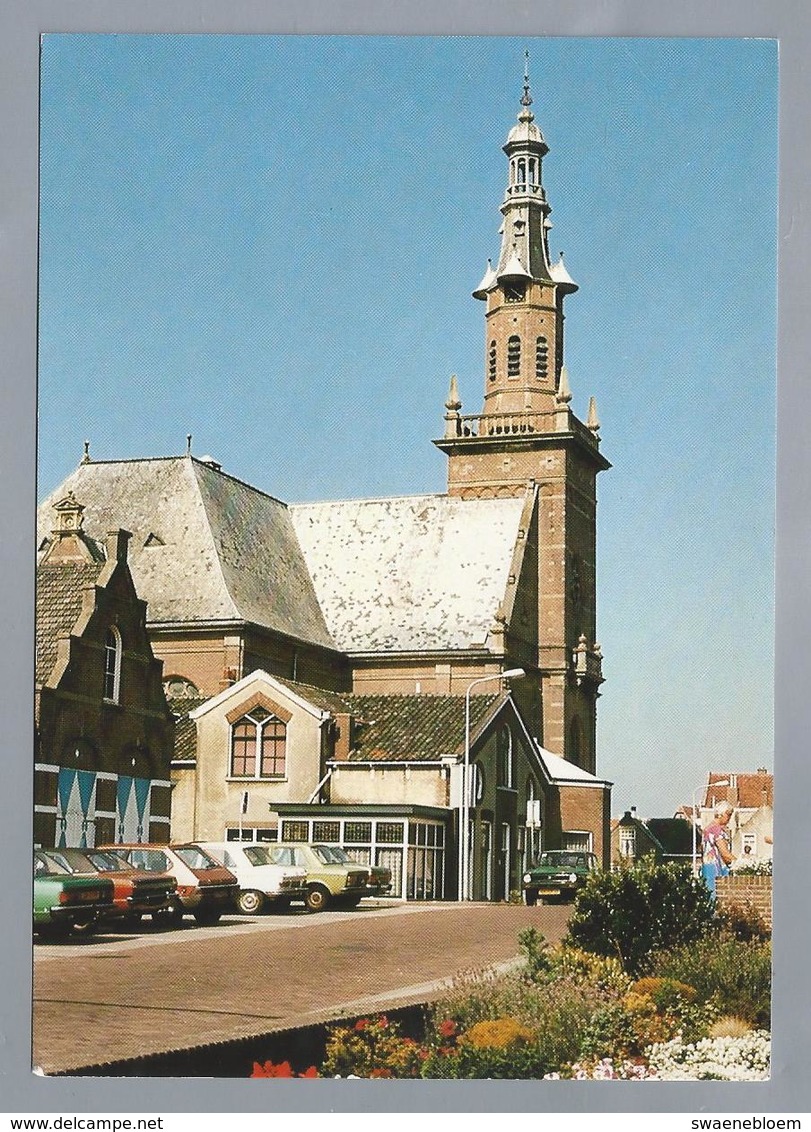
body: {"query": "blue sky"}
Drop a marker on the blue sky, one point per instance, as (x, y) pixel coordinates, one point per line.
(270, 243)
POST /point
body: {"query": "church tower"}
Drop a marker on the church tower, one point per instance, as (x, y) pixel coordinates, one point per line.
(528, 434)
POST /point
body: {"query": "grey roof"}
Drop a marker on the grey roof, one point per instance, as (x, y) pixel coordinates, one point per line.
(205, 546)
(58, 605)
(419, 573)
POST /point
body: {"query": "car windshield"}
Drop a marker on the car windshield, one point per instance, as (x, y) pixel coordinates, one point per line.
(195, 858)
(150, 860)
(258, 854)
(282, 855)
(560, 859)
(71, 860)
(47, 867)
(108, 862)
(324, 855)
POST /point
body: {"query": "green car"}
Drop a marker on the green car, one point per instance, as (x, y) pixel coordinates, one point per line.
(327, 881)
(63, 899)
(557, 875)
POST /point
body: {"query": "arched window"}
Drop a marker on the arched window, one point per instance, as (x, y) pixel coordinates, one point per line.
(112, 665)
(491, 361)
(504, 751)
(541, 357)
(513, 356)
(522, 171)
(258, 745)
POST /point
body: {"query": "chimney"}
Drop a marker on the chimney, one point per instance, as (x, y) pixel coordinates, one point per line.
(343, 735)
(117, 544)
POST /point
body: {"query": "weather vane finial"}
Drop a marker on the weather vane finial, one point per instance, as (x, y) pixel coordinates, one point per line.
(526, 98)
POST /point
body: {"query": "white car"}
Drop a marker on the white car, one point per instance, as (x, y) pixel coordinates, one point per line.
(260, 880)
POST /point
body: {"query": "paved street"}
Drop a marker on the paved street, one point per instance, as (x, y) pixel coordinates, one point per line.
(115, 996)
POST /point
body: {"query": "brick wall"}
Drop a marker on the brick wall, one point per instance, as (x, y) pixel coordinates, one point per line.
(746, 890)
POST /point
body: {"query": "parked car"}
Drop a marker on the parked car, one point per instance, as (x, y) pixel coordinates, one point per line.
(378, 877)
(327, 880)
(261, 881)
(134, 893)
(205, 888)
(64, 900)
(558, 874)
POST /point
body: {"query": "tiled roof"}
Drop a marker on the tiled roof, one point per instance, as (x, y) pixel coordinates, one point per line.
(58, 604)
(205, 546)
(409, 574)
(185, 728)
(746, 790)
(413, 728)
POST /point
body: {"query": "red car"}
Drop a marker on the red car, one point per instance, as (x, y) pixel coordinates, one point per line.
(134, 893)
(205, 889)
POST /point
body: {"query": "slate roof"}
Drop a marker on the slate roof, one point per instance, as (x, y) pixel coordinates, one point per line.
(418, 573)
(205, 546)
(58, 605)
(411, 574)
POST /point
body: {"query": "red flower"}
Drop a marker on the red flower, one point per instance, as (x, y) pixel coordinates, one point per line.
(382, 1021)
(381, 1073)
(362, 1024)
(447, 1028)
(311, 1072)
(283, 1069)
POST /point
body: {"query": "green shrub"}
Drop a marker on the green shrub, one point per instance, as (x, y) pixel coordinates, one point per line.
(556, 1012)
(536, 954)
(632, 913)
(735, 975)
(743, 922)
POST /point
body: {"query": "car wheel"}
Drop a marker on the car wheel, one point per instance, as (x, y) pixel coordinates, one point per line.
(169, 917)
(317, 898)
(208, 916)
(250, 901)
(530, 898)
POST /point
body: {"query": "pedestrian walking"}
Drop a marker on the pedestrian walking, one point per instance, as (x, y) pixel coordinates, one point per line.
(716, 849)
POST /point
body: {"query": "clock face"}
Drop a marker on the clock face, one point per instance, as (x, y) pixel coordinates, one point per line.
(514, 292)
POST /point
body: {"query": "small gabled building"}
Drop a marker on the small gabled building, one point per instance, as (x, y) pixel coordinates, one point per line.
(381, 775)
(104, 732)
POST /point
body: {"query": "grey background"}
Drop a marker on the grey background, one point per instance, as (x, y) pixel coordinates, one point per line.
(21, 24)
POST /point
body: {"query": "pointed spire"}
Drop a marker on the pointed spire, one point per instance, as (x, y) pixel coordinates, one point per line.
(86, 457)
(564, 393)
(593, 421)
(453, 422)
(487, 284)
(453, 403)
(526, 98)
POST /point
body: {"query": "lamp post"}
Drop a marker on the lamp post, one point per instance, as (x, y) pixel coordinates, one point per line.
(464, 808)
(704, 786)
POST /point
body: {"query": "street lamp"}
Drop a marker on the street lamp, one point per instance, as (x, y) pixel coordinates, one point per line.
(464, 808)
(704, 786)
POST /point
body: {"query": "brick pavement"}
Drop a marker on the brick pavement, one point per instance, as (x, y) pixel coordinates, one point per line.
(113, 997)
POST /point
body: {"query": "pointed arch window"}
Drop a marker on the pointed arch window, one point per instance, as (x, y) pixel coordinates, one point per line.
(112, 665)
(258, 745)
(491, 361)
(513, 356)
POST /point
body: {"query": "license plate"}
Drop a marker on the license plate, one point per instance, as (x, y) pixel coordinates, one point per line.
(548, 891)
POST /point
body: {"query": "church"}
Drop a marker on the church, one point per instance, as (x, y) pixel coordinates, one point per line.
(413, 678)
